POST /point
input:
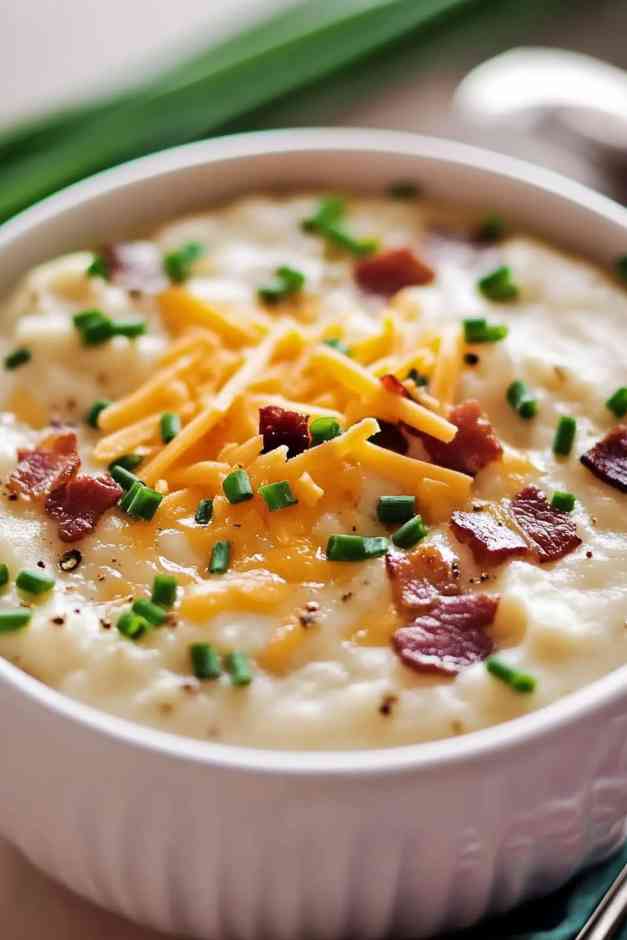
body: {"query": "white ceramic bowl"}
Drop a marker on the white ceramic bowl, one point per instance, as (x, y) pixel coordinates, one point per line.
(214, 841)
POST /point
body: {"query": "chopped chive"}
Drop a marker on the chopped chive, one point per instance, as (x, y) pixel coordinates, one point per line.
(178, 264)
(85, 317)
(153, 613)
(4, 574)
(94, 327)
(34, 582)
(410, 533)
(617, 403)
(621, 267)
(499, 285)
(491, 228)
(238, 667)
(220, 557)
(277, 495)
(518, 681)
(355, 547)
(396, 508)
(417, 378)
(521, 399)
(204, 511)
(338, 344)
(327, 222)
(287, 281)
(564, 436)
(131, 625)
(324, 429)
(143, 502)
(237, 486)
(132, 490)
(124, 478)
(98, 268)
(128, 328)
(94, 412)
(564, 502)
(11, 620)
(169, 426)
(19, 357)
(205, 661)
(478, 330)
(402, 190)
(164, 589)
(127, 462)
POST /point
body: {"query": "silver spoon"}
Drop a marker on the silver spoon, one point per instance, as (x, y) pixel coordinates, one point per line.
(610, 913)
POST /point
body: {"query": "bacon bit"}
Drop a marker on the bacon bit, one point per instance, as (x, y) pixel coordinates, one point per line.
(280, 427)
(490, 540)
(79, 504)
(420, 577)
(390, 271)
(135, 266)
(474, 446)
(47, 467)
(393, 385)
(450, 637)
(391, 437)
(608, 458)
(552, 533)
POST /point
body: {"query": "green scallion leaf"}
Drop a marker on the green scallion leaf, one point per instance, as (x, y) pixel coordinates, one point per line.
(178, 264)
(19, 357)
(132, 626)
(93, 326)
(205, 661)
(521, 399)
(153, 613)
(238, 667)
(564, 436)
(392, 509)
(169, 426)
(129, 328)
(327, 222)
(220, 557)
(94, 412)
(237, 486)
(99, 268)
(4, 575)
(498, 285)
(16, 619)
(124, 478)
(491, 228)
(562, 501)
(127, 462)
(204, 511)
(518, 681)
(164, 589)
(140, 501)
(410, 533)
(34, 582)
(617, 403)
(277, 495)
(478, 330)
(287, 282)
(324, 429)
(355, 547)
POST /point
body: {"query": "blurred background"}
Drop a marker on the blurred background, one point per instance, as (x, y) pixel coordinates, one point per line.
(87, 84)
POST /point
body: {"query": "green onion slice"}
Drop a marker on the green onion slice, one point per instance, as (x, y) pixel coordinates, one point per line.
(491, 228)
(410, 533)
(324, 429)
(564, 436)
(11, 620)
(132, 626)
(277, 495)
(169, 426)
(94, 412)
(327, 222)
(204, 511)
(140, 500)
(238, 667)
(518, 681)
(153, 613)
(355, 547)
(499, 285)
(205, 661)
(237, 486)
(287, 281)
(520, 398)
(19, 357)
(563, 501)
(99, 268)
(34, 582)
(4, 574)
(124, 478)
(127, 462)
(220, 557)
(396, 508)
(478, 330)
(617, 403)
(178, 264)
(164, 589)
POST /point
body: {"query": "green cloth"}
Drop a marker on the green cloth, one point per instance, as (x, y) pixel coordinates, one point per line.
(558, 917)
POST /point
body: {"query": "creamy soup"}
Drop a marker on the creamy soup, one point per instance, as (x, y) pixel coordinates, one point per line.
(305, 472)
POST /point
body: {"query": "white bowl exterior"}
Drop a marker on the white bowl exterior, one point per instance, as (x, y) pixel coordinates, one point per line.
(209, 842)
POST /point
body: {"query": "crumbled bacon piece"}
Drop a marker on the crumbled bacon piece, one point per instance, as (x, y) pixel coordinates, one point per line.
(390, 271)
(391, 384)
(391, 437)
(608, 458)
(78, 505)
(135, 266)
(474, 446)
(552, 533)
(46, 467)
(490, 540)
(280, 427)
(420, 577)
(450, 637)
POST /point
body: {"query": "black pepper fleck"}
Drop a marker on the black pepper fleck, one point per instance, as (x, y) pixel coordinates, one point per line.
(588, 554)
(41, 564)
(58, 621)
(387, 703)
(12, 497)
(471, 359)
(346, 597)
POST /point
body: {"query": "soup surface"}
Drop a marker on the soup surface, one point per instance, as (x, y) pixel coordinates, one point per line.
(306, 472)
